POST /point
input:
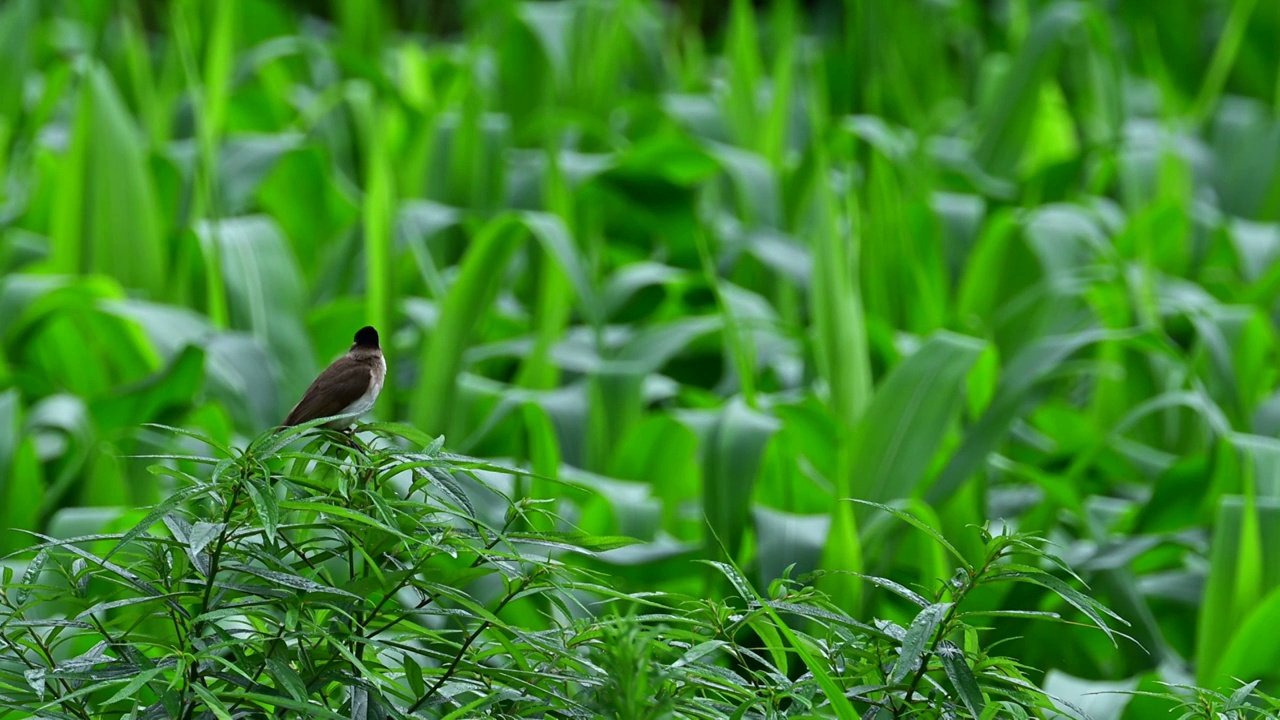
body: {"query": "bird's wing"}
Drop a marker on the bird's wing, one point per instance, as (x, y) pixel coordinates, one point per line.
(341, 384)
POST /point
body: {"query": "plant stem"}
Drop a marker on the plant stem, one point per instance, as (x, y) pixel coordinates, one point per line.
(189, 704)
(457, 660)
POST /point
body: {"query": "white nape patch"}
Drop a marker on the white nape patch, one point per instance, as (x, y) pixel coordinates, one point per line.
(363, 403)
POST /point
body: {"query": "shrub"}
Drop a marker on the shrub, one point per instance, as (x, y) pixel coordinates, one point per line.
(380, 576)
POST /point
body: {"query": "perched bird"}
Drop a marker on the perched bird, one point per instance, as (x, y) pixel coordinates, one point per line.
(350, 385)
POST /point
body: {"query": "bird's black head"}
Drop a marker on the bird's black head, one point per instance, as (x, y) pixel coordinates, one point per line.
(367, 337)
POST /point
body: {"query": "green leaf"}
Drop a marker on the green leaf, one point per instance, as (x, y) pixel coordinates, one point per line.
(17, 20)
(295, 582)
(1092, 609)
(787, 539)
(222, 449)
(22, 492)
(158, 512)
(245, 161)
(168, 391)
(575, 541)
(903, 428)
(551, 232)
(841, 351)
(1008, 119)
(30, 575)
(733, 451)
(265, 503)
(919, 640)
(1240, 589)
(124, 602)
(288, 679)
(956, 665)
(265, 294)
(106, 192)
(444, 480)
(134, 685)
(434, 397)
(311, 226)
(304, 709)
(915, 522)
(212, 702)
(1019, 380)
(668, 157)
(413, 673)
(740, 584)
(663, 453)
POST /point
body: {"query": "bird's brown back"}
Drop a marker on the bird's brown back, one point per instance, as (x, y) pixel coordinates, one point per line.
(341, 384)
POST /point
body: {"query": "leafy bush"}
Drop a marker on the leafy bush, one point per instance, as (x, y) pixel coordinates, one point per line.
(377, 575)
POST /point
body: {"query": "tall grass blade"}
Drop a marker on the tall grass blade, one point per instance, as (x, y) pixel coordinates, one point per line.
(1242, 559)
(18, 19)
(903, 428)
(107, 217)
(1224, 56)
(1008, 118)
(433, 401)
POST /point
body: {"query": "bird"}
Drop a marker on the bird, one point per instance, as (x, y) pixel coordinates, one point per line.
(349, 385)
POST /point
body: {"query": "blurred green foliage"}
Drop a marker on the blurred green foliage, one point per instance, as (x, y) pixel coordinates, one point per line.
(722, 263)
